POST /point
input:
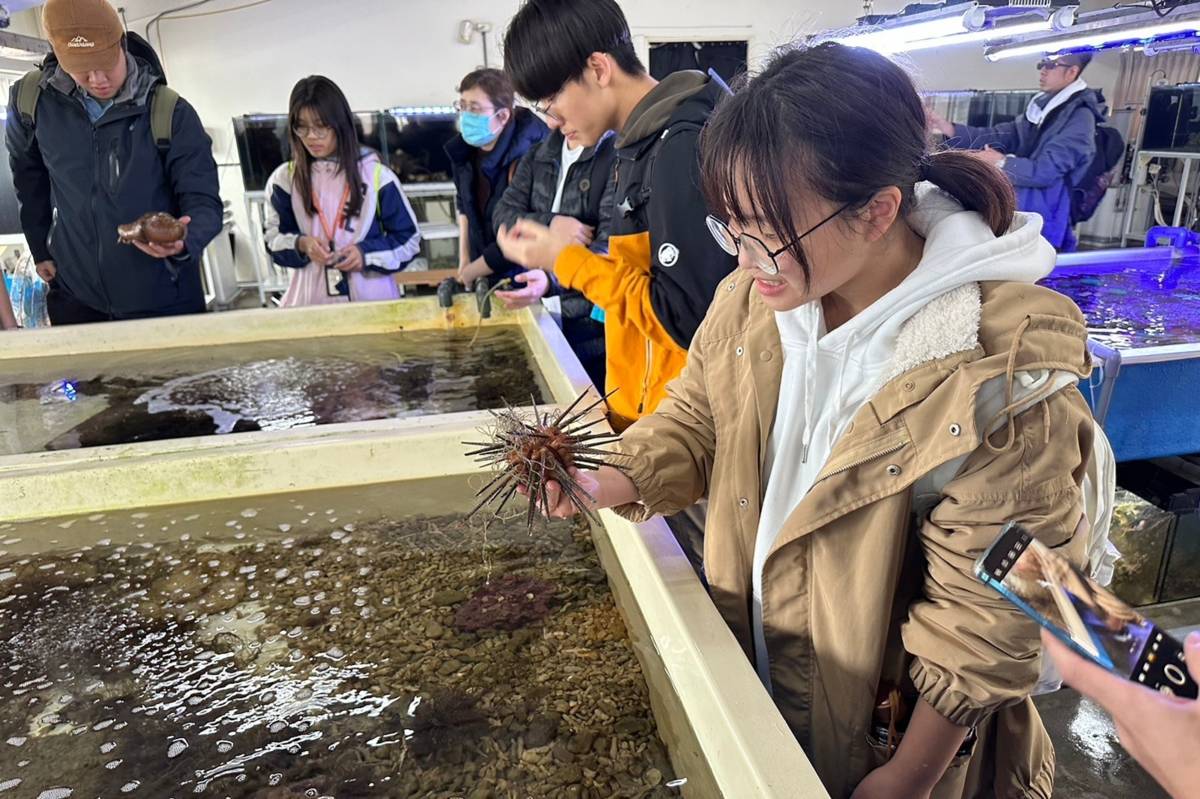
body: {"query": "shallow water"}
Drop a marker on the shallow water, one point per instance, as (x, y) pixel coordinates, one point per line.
(1140, 306)
(309, 646)
(152, 396)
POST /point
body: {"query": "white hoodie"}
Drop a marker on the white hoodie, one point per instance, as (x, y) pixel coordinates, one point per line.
(828, 377)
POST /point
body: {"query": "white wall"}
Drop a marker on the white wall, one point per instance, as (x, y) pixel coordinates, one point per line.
(406, 51)
(396, 52)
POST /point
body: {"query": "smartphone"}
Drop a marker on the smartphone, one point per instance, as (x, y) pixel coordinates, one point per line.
(333, 279)
(1085, 616)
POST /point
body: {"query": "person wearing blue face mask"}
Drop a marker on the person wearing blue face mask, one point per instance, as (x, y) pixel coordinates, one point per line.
(493, 136)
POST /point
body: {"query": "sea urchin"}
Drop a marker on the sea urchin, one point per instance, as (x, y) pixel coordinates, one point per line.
(527, 451)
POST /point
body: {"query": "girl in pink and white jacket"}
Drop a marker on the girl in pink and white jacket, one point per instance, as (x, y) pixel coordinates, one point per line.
(336, 215)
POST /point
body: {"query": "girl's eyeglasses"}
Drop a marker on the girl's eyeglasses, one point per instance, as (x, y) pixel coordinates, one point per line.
(760, 256)
(319, 132)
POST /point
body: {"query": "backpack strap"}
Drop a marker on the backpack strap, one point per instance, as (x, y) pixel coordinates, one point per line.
(162, 112)
(377, 184)
(29, 89)
(652, 156)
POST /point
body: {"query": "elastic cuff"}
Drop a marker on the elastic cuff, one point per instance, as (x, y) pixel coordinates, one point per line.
(371, 262)
(951, 705)
(646, 478)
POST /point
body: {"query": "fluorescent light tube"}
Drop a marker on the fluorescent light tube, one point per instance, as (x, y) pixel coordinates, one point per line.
(1098, 39)
(893, 38)
(971, 37)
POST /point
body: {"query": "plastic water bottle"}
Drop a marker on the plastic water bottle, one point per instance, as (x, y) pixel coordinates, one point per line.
(16, 293)
(38, 313)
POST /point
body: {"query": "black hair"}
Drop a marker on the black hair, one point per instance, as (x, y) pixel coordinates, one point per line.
(841, 123)
(549, 42)
(1084, 60)
(494, 83)
(325, 100)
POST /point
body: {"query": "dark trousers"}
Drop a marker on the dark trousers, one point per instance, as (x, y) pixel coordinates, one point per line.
(64, 309)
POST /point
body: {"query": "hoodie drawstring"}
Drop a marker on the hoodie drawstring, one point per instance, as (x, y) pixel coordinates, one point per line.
(810, 381)
(810, 386)
(1010, 406)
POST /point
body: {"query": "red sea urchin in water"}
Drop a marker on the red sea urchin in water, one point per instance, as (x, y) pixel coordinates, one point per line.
(527, 452)
(509, 603)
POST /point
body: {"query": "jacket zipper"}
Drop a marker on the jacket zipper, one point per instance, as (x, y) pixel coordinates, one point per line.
(53, 227)
(646, 378)
(868, 459)
(96, 224)
(114, 169)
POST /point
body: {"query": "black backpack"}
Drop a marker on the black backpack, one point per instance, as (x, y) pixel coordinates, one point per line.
(1087, 193)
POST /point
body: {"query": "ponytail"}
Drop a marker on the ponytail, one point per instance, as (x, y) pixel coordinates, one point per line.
(978, 186)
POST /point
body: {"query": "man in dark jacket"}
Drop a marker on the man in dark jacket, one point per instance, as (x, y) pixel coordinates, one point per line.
(570, 188)
(493, 136)
(1046, 151)
(86, 161)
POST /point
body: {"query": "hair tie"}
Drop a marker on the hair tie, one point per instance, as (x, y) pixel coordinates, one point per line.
(925, 167)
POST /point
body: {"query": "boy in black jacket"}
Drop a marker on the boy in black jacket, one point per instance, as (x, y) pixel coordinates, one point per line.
(575, 58)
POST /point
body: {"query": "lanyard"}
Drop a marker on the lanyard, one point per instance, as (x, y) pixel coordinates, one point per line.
(338, 220)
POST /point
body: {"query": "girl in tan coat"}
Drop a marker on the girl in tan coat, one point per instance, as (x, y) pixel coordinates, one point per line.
(873, 394)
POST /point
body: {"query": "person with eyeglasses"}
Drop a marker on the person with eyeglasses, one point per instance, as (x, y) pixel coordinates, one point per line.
(96, 139)
(336, 217)
(494, 135)
(569, 188)
(874, 393)
(1048, 150)
(576, 61)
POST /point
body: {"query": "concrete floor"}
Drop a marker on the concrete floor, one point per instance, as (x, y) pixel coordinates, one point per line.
(1091, 762)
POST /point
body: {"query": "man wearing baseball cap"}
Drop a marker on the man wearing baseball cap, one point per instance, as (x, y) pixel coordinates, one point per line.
(96, 140)
(1047, 151)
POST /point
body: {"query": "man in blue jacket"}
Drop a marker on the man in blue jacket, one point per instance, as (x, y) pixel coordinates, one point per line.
(1046, 151)
(86, 158)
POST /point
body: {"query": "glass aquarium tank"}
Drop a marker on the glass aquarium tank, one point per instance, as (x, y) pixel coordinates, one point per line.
(410, 140)
(349, 643)
(1173, 118)
(199, 391)
(1140, 532)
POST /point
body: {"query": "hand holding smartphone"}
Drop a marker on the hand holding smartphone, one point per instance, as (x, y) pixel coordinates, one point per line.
(1082, 614)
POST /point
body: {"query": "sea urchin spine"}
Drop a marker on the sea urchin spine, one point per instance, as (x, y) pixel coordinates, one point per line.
(527, 453)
